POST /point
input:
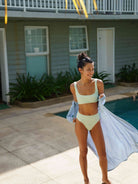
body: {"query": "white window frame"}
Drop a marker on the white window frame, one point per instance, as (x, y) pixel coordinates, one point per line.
(47, 41)
(87, 44)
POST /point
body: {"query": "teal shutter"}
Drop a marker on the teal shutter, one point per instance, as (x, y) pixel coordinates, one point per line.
(36, 65)
(73, 62)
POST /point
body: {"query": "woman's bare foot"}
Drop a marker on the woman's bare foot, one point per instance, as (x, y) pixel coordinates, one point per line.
(86, 181)
(106, 182)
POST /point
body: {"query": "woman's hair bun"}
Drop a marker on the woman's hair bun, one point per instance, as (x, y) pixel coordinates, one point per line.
(81, 56)
(83, 59)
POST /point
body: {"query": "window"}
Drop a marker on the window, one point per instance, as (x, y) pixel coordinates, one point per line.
(37, 50)
(78, 42)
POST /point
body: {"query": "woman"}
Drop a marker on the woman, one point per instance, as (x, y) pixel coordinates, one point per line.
(85, 92)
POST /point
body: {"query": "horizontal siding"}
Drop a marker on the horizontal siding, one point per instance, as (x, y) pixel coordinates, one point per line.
(92, 36)
(59, 47)
(126, 43)
(15, 49)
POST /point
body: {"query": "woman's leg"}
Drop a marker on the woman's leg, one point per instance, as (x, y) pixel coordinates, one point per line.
(81, 133)
(98, 138)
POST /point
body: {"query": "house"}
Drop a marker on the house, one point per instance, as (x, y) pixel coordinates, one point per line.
(42, 36)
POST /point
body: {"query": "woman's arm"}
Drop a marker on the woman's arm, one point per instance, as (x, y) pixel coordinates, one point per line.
(100, 86)
(71, 115)
(72, 89)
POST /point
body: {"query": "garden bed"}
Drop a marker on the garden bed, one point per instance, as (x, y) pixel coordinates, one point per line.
(128, 84)
(51, 101)
(44, 103)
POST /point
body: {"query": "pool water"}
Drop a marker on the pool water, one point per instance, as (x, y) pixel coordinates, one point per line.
(3, 106)
(124, 108)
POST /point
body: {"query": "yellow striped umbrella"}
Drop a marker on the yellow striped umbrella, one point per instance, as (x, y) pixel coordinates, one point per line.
(95, 5)
(80, 4)
(6, 16)
(77, 3)
(76, 6)
(66, 1)
(84, 8)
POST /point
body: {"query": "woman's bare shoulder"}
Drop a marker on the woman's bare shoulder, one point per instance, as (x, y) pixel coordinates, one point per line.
(72, 87)
(99, 82)
(100, 86)
(72, 84)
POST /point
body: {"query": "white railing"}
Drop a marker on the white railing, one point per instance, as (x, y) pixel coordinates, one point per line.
(38, 4)
(116, 6)
(104, 6)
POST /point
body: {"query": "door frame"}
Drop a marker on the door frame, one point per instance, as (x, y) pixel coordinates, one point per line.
(107, 28)
(4, 66)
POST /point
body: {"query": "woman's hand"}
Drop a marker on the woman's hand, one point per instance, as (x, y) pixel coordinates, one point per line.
(74, 120)
(101, 95)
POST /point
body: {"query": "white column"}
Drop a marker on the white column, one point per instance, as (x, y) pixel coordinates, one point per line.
(120, 6)
(114, 6)
(4, 66)
(136, 7)
(92, 7)
(56, 7)
(24, 6)
(88, 6)
(104, 3)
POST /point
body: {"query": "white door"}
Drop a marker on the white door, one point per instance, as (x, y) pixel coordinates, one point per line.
(105, 50)
(4, 66)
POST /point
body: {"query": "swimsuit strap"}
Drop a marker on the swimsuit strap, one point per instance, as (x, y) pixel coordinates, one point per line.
(75, 87)
(96, 89)
(76, 90)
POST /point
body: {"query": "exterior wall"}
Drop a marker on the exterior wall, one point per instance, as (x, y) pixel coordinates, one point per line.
(59, 47)
(15, 49)
(126, 43)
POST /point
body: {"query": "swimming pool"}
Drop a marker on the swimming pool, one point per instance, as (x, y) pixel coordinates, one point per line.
(124, 108)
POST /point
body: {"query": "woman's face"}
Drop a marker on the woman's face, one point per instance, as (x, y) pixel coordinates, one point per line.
(88, 70)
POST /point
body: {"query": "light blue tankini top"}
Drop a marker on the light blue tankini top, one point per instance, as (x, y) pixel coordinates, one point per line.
(121, 138)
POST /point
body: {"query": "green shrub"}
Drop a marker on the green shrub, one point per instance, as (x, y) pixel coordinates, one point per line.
(64, 80)
(128, 73)
(48, 86)
(25, 89)
(103, 76)
(28, 88)
(75, 75)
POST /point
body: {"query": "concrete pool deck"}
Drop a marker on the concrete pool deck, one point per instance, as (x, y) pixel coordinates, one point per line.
(37, 147)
